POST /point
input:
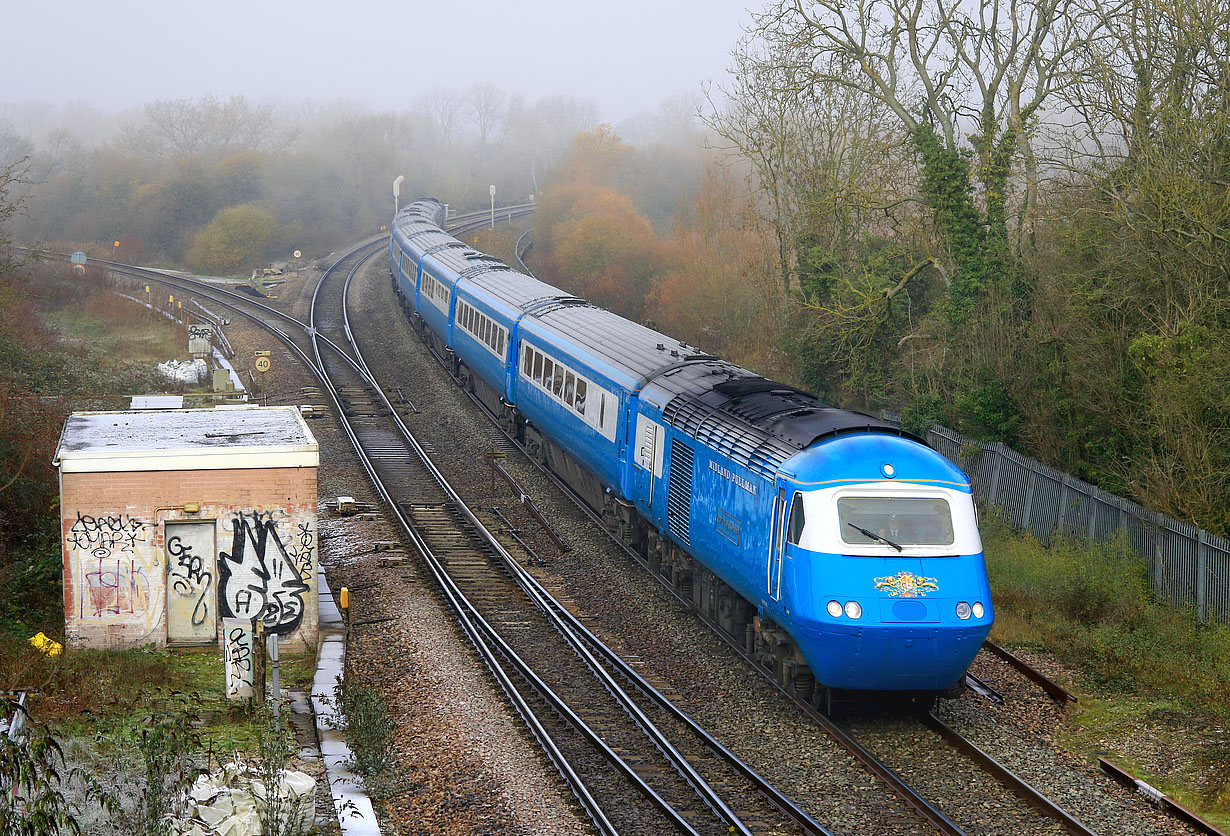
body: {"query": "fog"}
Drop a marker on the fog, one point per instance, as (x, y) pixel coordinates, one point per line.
(626, 57)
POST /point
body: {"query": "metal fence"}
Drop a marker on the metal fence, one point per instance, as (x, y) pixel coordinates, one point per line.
(1189, 568)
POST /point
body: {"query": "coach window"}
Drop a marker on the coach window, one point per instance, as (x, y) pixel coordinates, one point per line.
(569, 388)
(547, 365)
(537, 367)
(580, 404)
(798, 519)
(557, 384)
(527, 361)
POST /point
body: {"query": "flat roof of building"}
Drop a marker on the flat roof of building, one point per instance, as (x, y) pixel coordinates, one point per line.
(189, 439)
(157, 402)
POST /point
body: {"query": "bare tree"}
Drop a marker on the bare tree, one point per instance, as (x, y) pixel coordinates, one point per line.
(172, 127)
(15, 174)
(488, 107)
(969, 71)
(547, 127)
(445, 110)
(826, 160)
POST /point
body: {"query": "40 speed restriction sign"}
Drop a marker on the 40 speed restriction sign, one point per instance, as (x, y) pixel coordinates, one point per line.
(262, 361)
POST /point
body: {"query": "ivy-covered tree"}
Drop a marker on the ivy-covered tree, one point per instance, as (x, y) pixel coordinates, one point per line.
(964, 81)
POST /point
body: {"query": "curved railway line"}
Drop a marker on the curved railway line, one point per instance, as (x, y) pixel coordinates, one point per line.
(632, 757)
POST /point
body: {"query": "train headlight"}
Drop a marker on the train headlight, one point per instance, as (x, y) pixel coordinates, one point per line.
(963, 610)
(834, 609)
(979, 610)
(853, 609)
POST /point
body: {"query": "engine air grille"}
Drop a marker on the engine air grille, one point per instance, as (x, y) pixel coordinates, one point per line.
(679, 493)
(749, 446)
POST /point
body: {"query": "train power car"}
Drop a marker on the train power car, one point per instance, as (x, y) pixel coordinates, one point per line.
(841, 551)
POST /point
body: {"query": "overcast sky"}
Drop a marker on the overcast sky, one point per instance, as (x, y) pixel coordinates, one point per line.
(625, 55)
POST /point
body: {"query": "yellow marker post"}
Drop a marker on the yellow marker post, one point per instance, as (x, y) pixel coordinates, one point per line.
(345, 597)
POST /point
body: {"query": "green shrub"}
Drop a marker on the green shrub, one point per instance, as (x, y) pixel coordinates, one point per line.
(1090, 604)
(369, 732)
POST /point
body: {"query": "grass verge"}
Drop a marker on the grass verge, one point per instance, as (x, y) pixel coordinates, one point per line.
(1158, 683)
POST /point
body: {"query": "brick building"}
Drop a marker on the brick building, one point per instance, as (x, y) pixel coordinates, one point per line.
(172, 521)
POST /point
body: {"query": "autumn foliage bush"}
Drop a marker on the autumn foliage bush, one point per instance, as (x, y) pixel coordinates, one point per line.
(709, 280)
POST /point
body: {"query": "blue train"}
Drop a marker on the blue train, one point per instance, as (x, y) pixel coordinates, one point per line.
(842, 552)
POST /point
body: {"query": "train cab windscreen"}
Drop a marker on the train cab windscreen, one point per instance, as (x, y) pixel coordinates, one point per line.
(901, 520)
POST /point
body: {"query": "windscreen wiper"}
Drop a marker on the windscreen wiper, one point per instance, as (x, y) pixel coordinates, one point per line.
(874, 536)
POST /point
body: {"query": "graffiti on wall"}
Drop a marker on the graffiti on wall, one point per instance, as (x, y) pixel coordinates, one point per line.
(264, 576)
(107, 536)
(116, 566)
(237, 649)
(189, 578)
(299, 550)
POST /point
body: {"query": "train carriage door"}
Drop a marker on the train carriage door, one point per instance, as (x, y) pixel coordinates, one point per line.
(650, 439)
(777, 545)
(192, 570)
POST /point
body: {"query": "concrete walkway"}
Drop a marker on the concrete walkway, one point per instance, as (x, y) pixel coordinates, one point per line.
(354, 809)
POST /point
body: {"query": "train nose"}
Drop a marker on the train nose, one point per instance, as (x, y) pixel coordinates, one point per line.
(893, 657)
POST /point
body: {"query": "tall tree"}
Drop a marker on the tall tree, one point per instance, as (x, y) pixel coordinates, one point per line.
(826, 161)
(488, 108)
(171, 127)
(966, 73)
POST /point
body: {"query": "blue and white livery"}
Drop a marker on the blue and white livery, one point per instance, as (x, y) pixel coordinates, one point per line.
(840, 551)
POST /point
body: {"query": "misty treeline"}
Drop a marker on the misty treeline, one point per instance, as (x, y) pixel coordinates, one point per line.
(223, 185)
(1012, 218)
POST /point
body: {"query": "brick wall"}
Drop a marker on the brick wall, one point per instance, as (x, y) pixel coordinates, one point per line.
(117, 577)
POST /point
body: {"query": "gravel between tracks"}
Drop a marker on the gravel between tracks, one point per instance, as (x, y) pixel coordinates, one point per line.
(463, 764)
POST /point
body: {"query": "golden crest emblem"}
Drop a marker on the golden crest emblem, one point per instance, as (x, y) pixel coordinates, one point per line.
(906, 585)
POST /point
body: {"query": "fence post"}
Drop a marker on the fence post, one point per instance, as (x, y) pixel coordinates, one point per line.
(1159, 520)
(1202, 584)
(1063, 504)
(996, 466)
(1095, 504)
(1028, 515)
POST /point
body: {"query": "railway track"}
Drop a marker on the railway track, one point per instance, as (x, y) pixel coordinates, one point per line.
(634, 761)
(1039, 813)
(627, 773)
